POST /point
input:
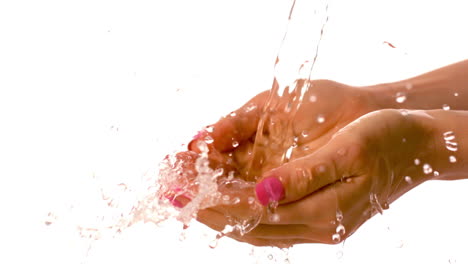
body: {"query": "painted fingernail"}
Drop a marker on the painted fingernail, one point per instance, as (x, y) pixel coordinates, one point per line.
(174, 201)
(177, 203)
(269, 190)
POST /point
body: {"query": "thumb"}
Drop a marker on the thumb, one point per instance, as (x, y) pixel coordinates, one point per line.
(299, 178)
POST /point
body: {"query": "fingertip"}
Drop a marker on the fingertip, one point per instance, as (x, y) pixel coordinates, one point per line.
(178, 201)
(193, 144)
(270, 189)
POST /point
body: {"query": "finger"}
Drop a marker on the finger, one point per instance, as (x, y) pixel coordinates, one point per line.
(301, 177)
(262, 235)
(319, 211)
(234, 128)
(212, 218)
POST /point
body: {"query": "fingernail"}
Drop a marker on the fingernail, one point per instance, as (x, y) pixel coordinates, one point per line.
(269, 190)
(177, 203)
(173, 199)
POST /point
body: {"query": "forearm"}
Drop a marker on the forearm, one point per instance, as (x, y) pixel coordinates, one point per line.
(444, 88)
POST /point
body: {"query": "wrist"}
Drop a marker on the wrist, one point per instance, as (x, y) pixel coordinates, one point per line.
(431, 146)
(449, 149)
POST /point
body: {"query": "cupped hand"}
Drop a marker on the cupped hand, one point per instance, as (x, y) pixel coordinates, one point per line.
(282, 128)
(329, 194)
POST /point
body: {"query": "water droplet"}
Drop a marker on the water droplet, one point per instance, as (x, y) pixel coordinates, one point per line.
(409, 86)
(340, 229)
(320, 119)
(452, 159)
(274, 218)
(336, 238)
(209, 139)
(417, 162)
(403, 140)
(306, 147)
(214, 243)
(449, 135)
(250, 108)
(288, 153)
(251, 200)
(233, 114)
(235, 144)
(408, 179)
(313, 98)
(446, 107)
(339, 216)
(209, 129)
(339, 254)
(404, 112)
(436, 174)
(427, 168)
(304, 133)
(270, 256)
(226, 199)
(236, 200)
(455, 94)
(452, 146)
(400, 97)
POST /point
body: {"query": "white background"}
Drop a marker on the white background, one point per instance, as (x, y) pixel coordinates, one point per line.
(107, 88)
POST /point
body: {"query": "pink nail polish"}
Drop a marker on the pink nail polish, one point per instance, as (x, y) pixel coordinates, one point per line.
(269, 190)
(175, 202)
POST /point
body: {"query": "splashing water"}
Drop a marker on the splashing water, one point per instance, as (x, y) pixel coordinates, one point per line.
(184, 185)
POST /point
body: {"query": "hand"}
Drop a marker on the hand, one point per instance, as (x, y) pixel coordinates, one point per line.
(303, 126)
(302, 120)
(331, 192)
